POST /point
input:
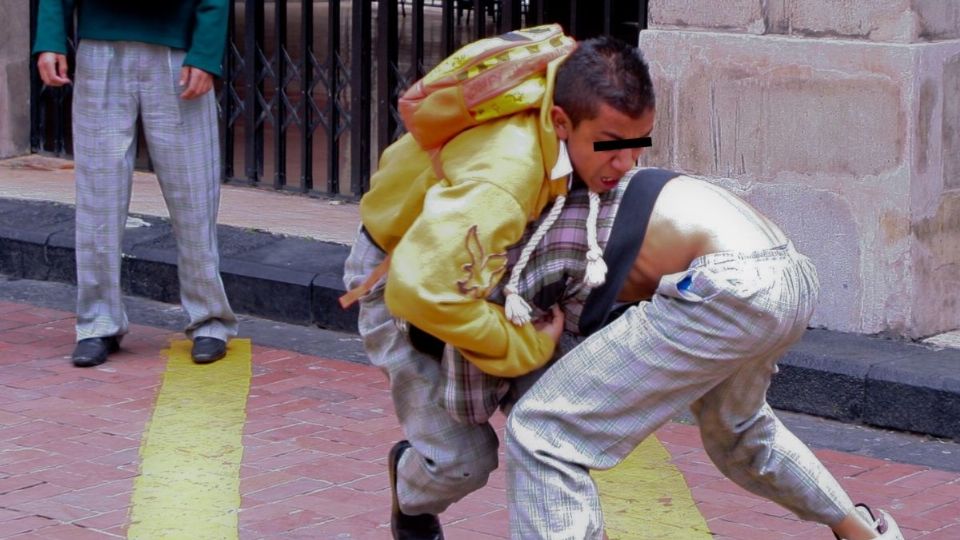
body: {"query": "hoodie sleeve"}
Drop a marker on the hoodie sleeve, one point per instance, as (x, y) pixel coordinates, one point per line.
(51, 26)
(455, 251)
(209, 37)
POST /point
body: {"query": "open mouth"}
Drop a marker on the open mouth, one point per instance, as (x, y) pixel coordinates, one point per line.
(609, 182)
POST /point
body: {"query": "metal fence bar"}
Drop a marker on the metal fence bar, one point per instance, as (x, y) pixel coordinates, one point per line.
(511, 15)
(36, 138)
(536, 7)
(360, 97)
(333, 97)
(388, 56)
(448, 40)
(253, 129)
(306, 93)
(479, 18)
(63, 98)
(280, 117)
(227, 105)
(418, 44)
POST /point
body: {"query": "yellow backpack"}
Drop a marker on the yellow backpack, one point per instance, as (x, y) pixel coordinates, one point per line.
(487, 79)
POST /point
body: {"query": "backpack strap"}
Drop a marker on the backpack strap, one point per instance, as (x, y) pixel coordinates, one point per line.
(629, 229)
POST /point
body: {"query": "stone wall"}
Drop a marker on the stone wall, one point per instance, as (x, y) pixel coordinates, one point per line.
(14, 77)
(841, 120)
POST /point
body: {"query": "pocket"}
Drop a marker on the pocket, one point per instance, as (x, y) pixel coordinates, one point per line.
(689, 286)
(169, 110)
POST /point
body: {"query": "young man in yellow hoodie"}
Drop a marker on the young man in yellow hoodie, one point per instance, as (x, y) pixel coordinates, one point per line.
(443, 219)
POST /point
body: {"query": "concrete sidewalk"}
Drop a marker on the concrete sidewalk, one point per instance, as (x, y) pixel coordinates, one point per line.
(282, 258)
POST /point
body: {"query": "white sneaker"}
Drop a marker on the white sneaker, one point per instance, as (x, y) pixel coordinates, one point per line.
(884, 524)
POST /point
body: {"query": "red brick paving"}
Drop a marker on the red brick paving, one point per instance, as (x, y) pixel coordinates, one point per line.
(315, 441)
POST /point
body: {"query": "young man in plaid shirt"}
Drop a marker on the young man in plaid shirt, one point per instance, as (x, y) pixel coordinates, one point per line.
(714, 295)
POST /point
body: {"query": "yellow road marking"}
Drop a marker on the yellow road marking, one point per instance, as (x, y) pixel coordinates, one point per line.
(189, 483)
(647, 497)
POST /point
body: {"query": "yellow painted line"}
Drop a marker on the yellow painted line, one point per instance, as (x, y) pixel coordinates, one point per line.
(189, 483)
(647, 497)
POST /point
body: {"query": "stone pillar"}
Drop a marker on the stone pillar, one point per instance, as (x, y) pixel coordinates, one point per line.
(840, 120)
(14, 78)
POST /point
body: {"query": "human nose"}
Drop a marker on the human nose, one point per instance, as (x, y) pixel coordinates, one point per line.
(625, 159)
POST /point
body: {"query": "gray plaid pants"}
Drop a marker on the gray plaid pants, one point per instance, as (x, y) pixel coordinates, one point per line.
(448, 460)
(115, 83)
(709, 339)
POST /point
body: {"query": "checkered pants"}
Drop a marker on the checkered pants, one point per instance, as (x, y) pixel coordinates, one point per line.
(448, 460)
(709, 339)
(116, 82)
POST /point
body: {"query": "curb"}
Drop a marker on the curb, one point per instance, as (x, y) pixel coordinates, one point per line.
(295, 280)
(848, 377)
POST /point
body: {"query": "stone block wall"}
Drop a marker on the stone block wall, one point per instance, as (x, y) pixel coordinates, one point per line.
(14, 77)
(841, 120)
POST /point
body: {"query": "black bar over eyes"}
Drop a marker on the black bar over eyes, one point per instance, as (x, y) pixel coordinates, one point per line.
(640, 142)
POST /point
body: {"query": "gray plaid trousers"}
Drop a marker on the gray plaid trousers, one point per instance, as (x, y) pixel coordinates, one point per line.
(712, 346)
(115, 83)
(448, 460)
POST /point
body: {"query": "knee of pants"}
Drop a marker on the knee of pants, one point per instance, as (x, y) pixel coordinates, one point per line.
(475, 476)
(466, 471)
(739, 452)
(433, 490)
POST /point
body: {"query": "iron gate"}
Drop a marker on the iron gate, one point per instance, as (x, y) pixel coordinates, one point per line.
(309, 93)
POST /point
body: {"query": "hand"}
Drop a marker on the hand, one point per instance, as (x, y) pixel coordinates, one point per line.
(53, 68)
(551, 323)
(197, 82)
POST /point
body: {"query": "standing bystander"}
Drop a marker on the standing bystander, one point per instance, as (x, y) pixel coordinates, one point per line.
(154, 61)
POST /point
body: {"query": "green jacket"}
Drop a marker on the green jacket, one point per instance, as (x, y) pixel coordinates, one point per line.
(197, 26)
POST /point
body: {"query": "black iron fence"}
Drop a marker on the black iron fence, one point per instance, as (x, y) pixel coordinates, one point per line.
(309, 93)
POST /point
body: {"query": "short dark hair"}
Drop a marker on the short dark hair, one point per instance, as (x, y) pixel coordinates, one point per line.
(603, 70)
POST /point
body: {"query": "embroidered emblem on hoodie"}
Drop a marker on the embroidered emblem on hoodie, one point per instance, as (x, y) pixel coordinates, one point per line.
(483, 271)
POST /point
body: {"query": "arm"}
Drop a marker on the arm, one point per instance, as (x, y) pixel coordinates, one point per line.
(442, 269)
(206, 48)
(51, 42)
(51, 26)
(455, 251)
(209, 37)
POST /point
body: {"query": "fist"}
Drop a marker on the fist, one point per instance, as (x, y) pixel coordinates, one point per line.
(53, 69)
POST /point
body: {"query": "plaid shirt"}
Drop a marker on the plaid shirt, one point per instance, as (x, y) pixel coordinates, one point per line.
(554, 275)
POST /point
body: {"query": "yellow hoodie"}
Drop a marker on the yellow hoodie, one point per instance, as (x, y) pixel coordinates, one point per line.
(448, 237)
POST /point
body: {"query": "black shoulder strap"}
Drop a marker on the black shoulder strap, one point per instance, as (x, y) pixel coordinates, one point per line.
(629, 229)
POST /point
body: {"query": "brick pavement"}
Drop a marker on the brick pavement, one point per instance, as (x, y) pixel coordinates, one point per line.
(315, 441)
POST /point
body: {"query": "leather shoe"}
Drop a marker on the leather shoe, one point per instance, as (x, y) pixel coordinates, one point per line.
(93, 351)
(404, 526)
(208, 349)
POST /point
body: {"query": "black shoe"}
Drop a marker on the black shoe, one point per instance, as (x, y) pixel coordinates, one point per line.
(404, 526)
(208, 349)
(93, 351)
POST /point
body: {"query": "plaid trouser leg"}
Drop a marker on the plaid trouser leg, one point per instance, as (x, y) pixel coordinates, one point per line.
(116, 82)
(184, 147)
(448, 460)
(104, 141)
(716, 341)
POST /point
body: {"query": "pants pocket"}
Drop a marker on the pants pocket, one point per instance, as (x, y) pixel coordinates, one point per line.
(690, 285)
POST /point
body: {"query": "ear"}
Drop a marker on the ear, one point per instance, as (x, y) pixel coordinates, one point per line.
(561, 122)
